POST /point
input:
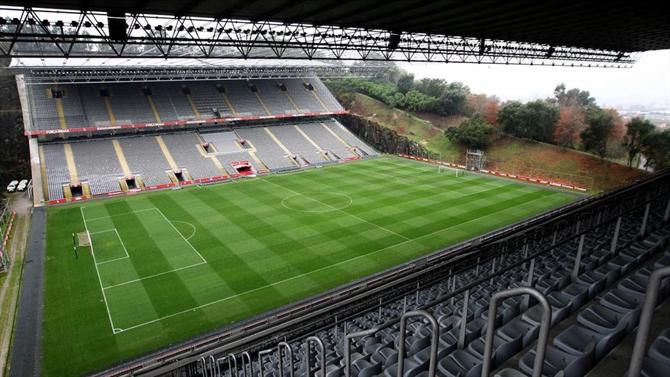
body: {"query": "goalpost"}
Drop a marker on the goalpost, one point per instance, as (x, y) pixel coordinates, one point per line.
(81, 239)
(450, 171)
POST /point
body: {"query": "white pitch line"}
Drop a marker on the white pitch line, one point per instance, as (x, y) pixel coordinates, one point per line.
(186, 222)
(154, 275)
(340, 210)
(95, 263)
(118, 214)
(181, 235)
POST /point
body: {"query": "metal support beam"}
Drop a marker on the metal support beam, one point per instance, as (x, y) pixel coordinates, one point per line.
(645, 220)
(578, 257)
(529, 283)
(166, 37)
(464, 320)
(615, 237)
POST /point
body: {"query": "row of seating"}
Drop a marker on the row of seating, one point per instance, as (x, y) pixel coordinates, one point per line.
(201, 155)
(657, 361)
(85, 105)
(616, 279)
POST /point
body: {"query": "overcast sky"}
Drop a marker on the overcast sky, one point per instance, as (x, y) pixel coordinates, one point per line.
(647, 83)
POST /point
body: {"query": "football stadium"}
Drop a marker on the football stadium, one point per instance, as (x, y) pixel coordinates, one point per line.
(204, 200)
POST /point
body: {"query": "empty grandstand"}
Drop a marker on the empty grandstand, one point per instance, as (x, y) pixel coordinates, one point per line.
(88, 107)
(195, 217)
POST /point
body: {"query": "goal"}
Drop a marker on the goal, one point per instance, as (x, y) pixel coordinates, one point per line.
(450, 171)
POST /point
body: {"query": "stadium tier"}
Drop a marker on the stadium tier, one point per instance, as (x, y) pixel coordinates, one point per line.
(104, 164)
(121, 164)
(89, 106)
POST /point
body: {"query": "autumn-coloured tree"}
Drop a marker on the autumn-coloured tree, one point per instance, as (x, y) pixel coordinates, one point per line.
(571, 123)
(490, 114)
(486, 107)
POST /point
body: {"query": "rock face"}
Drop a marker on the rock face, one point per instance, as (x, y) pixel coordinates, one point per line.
(381, 138)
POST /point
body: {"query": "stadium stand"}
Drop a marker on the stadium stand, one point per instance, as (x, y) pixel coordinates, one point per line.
(327, 141)
(324, 94)
(298, 144)
(349, 138)
(55, 169)
(230, 160)
(129, 104)
(184, 148)
(97, 164)
(94, 105)
(594, 306)
(242, 99)
(267, 149)
(224, 142)
(145, 158)
(84, 105)
(274, 97)
(208, 100)
(305, 99)
(170, 102)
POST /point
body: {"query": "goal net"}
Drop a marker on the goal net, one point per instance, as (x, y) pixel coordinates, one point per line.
(81, 239)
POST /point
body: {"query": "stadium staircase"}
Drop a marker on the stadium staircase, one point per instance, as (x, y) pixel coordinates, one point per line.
(594, 284)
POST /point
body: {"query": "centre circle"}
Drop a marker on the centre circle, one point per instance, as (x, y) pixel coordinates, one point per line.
(317, 202)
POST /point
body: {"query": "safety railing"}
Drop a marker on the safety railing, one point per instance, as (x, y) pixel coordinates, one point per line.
(642, 336)
(543, 337)
(434, 336)
(308, 356)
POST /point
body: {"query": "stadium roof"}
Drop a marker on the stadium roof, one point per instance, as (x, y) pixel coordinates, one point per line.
(615, 25)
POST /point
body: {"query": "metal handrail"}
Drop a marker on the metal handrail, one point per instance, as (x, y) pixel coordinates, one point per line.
(232, 366)
(204, 366)
(542, 340)
(322, 349)
(347, 348)
(289, 352)
(435, 335)
(244, 366)
(261, 354)
(642, 336)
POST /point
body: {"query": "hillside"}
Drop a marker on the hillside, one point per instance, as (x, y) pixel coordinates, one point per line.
(507, 153)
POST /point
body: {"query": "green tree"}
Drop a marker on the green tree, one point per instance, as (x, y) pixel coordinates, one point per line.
(655, 147)
(431, 87)
(405, 82)
(534, 120)
(454, 98)
(637, 129)
(573, 97)
(471, 133)
(595, 136)
(541, 119)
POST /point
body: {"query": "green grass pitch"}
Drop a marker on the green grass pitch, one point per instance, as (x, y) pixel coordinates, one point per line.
(170, 265)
